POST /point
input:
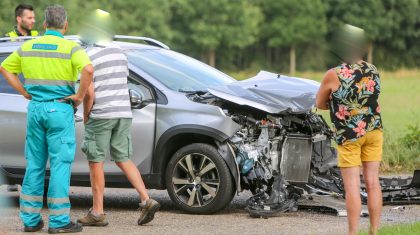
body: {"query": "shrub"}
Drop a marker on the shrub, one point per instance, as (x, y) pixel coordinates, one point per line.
(402, 154)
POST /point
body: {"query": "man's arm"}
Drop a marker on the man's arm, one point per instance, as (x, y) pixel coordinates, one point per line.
(88, 102)
(14, 81)
(329, 82)
(85, 81)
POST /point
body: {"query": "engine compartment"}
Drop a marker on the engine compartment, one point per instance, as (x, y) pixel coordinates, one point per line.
(282, 157)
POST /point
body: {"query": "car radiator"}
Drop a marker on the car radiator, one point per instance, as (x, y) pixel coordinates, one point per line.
(296, 158)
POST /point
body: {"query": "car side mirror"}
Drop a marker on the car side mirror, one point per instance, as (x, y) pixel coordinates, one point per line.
(136, 99)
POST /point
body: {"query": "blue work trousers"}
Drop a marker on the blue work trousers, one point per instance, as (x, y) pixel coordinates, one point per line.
(50, 134)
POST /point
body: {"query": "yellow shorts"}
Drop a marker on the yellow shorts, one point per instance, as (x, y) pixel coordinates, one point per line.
(365, 149)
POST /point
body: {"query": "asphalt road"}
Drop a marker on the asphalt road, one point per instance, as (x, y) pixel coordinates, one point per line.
(121, 208)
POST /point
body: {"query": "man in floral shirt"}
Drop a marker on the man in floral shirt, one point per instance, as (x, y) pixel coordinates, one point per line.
(351, 91)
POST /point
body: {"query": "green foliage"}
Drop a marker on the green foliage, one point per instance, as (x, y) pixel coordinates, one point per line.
(207, 25)
(398, 156)
(293, 22)
(131, 17)
(211, 23)
(402, 37)
(368, 15)
(412, 138)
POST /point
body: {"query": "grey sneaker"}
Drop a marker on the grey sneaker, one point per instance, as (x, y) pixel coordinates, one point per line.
(69, 228)
(148, 211)
(92, 220)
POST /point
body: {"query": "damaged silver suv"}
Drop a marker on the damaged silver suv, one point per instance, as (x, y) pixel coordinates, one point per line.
(202, 135)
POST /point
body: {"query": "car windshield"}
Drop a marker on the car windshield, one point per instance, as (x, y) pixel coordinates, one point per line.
(176, 71)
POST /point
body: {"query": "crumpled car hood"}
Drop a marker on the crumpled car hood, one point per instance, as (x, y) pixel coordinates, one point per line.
(271, 92)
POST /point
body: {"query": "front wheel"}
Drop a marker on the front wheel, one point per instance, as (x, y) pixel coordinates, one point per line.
(198, 179)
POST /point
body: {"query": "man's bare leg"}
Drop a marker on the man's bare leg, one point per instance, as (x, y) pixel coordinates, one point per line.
(149, 206)
(351, 177)
(133, 175)
(374, 191)
(97, 181)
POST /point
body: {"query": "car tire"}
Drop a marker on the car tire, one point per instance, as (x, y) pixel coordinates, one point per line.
(198, 180)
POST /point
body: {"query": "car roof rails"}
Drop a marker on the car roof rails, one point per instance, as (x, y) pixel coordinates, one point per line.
(17, 39)
(147, 40)
(25, 38)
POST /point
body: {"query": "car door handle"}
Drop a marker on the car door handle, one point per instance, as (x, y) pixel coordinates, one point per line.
(77, 118)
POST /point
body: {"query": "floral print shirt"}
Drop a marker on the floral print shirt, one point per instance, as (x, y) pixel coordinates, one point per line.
(354, 107)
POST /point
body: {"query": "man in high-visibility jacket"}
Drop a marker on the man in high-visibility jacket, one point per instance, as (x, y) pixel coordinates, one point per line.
(50, 65)
(25, 21)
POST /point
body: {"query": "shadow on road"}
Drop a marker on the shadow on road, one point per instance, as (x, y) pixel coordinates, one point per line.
(116, 198)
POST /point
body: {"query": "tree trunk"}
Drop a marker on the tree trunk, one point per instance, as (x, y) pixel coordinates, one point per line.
(370, 53)
(238, 60)
(211, 57)
(292, 60)
(277, 58)
(203, 56)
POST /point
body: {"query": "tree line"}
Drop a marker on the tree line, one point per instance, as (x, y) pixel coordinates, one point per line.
(280, 35)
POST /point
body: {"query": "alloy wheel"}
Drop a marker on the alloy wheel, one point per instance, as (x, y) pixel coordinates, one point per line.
(195, 180)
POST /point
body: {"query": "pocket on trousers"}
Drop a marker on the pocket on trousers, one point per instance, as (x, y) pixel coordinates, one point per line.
(60, 117)
(68, 149)
(130, 146)
(89, 146)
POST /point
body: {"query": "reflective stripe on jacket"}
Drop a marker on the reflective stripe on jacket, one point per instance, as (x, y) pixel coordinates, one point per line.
(50, 65)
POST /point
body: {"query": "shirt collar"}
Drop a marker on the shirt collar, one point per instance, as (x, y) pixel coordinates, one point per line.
(19, 34)
(53, 33)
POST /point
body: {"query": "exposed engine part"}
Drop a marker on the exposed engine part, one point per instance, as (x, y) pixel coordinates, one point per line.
(279, 200)
(282, 157)
(274, 155)
(324, 157)
(296, 158)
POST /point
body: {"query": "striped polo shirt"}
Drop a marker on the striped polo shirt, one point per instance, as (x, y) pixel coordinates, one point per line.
(110, 81)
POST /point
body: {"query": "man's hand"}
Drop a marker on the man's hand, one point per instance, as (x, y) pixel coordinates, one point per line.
(77, 100)
(88, 102)
(85, 119)
(85, 81)
(27, 95)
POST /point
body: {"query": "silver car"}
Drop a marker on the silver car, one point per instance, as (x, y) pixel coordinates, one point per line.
(200, 134)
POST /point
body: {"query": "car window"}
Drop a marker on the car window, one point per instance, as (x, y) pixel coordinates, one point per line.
(134, 84)
(4, 85)
(141, 88)
(177, 71)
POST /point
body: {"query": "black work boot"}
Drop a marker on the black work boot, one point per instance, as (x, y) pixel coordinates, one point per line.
(69, 228)
(31, 229)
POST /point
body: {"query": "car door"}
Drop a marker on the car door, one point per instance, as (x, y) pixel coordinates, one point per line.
(12, 125)
(144, 124)
(143, 131)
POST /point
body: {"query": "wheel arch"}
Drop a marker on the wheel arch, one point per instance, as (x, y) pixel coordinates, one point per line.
(179, 136)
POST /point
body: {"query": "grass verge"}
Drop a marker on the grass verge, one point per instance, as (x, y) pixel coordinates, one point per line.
(399, 229)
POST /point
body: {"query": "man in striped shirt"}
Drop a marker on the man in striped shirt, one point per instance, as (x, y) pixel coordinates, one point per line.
(108, 119)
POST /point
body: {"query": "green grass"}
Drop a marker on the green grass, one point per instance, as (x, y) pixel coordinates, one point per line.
(400, 106)
(400, 229)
